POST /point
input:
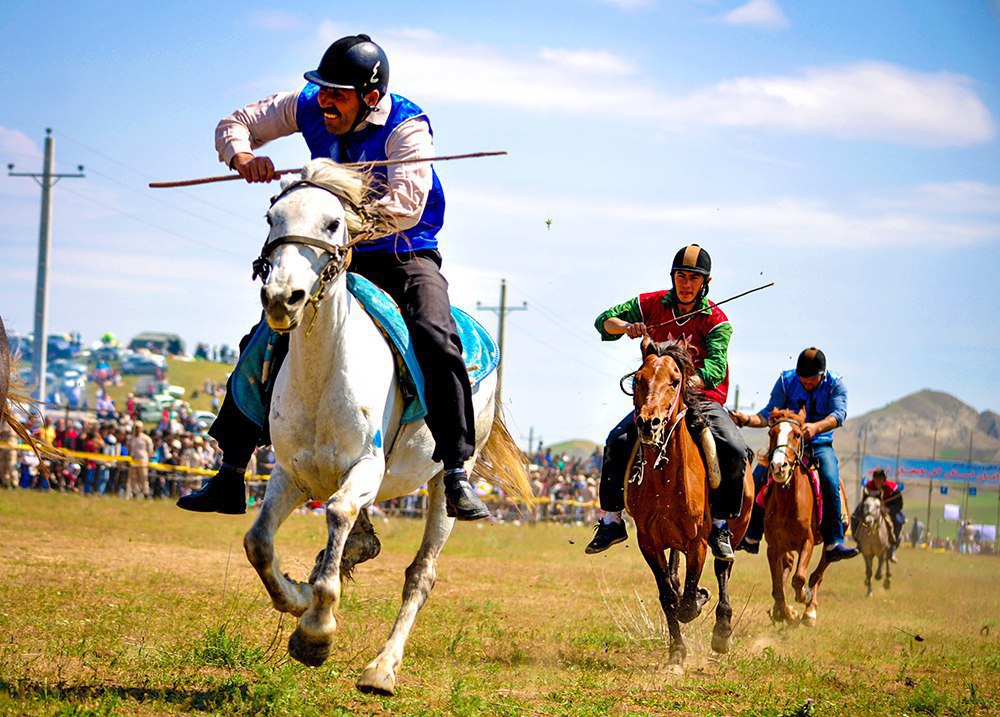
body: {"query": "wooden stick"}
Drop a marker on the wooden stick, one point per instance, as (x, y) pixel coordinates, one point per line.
(698, 311)
(280, 172)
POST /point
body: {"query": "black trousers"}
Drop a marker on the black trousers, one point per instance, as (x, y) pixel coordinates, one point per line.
(730, 446)
(415, 283)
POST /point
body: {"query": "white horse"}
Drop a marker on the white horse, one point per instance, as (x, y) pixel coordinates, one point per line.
(335, 419)
(874, 537)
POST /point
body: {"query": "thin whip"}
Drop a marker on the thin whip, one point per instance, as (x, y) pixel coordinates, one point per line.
(357, 165)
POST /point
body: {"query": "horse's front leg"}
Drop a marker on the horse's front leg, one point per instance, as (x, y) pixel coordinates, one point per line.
(280, 499)
(779, 561)
(722, 633)
(888, 570)
(694, 597)
(868, 574)
(815, 580)
(667, 591)
(310, 643)
(379, 676)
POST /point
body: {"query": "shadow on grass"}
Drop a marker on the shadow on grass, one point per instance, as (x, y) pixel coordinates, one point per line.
(233, 695)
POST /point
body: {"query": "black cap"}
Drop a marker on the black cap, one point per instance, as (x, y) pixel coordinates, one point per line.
(811, 363)
(353, 62)
(692, 258)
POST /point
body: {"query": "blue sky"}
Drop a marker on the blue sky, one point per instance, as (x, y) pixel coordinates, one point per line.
(847, 151)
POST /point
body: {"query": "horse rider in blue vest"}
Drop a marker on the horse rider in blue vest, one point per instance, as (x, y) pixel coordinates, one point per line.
(824, 396)
(346, 113)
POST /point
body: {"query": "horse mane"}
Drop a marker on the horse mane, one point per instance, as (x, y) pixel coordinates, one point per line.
(693, 398)
(359, 192)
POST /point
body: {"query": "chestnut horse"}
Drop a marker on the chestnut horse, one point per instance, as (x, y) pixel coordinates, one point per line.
(791, 518)
(668, 492)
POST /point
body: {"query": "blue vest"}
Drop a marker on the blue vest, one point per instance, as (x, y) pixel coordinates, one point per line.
(819, 404)
(368, 144)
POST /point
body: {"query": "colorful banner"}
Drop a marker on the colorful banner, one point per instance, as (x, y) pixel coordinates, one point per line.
(939, 471)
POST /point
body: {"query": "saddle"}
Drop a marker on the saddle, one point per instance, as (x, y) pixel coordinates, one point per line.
(254, 375)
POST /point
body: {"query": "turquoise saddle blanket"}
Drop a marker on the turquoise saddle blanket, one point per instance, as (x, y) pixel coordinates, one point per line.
(252, 376)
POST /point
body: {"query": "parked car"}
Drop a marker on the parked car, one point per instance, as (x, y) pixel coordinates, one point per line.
(203, 419)
(144, 364)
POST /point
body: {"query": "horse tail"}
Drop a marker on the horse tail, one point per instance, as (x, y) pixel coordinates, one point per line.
(18, 399)
(504, 465)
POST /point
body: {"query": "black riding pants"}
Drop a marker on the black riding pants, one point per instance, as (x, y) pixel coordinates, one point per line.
(730, 446)
(415, 283)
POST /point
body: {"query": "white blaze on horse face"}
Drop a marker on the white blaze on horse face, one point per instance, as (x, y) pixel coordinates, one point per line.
(778, 457)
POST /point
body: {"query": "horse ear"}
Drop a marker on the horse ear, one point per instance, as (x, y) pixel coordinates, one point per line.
(645, 345)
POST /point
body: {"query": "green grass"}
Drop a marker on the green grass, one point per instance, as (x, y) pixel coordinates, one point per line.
(189, 374)
(111, 608)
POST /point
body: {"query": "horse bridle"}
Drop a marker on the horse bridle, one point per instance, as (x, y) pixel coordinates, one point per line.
(796, 452)
(336, 264)
(659, 440)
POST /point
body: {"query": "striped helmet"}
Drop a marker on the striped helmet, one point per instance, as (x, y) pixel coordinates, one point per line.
(696, 260)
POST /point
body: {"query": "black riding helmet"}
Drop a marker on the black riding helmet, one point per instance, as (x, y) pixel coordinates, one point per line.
(696, 260)
(811, 363)
(353, 63)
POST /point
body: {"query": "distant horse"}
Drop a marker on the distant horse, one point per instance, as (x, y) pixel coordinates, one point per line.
(874, 536)
(791, 519)
(335, 419)
(668, 494)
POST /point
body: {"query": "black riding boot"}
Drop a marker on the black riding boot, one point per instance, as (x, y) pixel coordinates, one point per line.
(225, 492)
(461, 501)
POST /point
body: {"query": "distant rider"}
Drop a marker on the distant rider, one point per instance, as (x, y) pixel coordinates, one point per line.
(345, 113)
(891, 494)
(708, 333)
(824, 396)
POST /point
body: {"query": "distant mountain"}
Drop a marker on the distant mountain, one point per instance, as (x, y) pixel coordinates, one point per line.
(912, 422)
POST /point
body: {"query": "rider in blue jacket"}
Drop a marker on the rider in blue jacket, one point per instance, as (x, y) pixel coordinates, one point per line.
(824, 396)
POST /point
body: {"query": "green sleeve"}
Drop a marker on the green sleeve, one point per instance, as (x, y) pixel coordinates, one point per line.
(628, 311)
(716, 355)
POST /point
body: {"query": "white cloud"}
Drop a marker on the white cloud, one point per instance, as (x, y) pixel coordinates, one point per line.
(785, 221)
(631, 5)
(592, 62)
(277, 20)
(13, 142)
(866, 100)
(759, 13)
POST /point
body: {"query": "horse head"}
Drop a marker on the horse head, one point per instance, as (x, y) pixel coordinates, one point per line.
(785, 443)
(312, 220)
(660, 387)
(871, 510)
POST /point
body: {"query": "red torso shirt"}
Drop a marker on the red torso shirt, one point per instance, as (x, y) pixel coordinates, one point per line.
(693, 330)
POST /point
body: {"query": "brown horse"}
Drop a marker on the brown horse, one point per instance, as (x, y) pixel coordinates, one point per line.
(791, 519)
(668, 493)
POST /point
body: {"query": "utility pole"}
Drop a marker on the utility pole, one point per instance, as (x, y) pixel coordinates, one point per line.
(930, 487)
(501, 311)
(47, 179)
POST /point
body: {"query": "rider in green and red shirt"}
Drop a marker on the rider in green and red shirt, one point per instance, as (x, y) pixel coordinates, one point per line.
(707, 332)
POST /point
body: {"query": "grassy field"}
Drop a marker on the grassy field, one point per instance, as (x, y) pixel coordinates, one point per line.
(191, 374)
(111, 607)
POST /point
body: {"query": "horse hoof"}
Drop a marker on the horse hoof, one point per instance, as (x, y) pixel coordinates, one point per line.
(688, 611)
(376, 681)
(310, 651)
(703, 597)
(677, 655)
(809, 619)
(721, 643)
